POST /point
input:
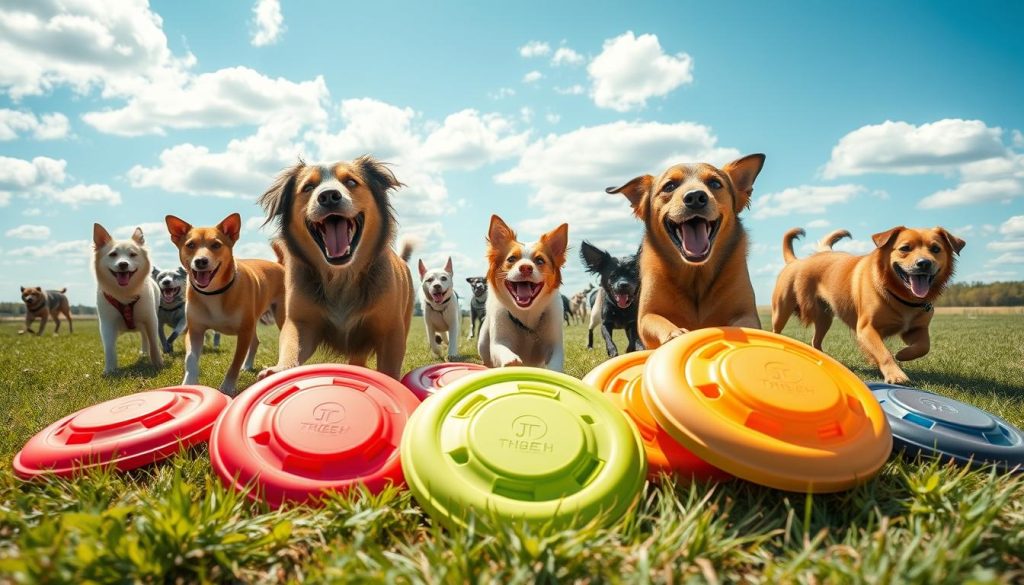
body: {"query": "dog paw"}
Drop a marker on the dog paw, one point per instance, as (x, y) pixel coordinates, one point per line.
(270, 371)
(613, 353)
(897, 377)
(516, 361)
(673, 335)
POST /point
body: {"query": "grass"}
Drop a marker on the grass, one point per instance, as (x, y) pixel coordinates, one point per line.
(917, 522)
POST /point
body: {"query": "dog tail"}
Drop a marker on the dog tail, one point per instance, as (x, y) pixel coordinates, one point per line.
(278, 250)
(406, 245)
(787, 243)
(826, 243)
(62, 290)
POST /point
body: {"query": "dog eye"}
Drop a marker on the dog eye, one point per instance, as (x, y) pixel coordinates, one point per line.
(191, 245)
(444, 279)
(935, 249)
(511, 259)
(112, 255)
(351, 183)
(669, 187)
(307, 187)
(905, 248)
(216, 245)
(132, 254)
(714, 184)
(539, 261)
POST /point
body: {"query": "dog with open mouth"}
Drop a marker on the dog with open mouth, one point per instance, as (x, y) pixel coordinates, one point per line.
(620, 288)
(693, 260)
(890, 291)
(42, 304)
(126, 296)
(477, 304)
(441, 313)
(347, 288)
(225, 294)
(171, 311)
(523, 324)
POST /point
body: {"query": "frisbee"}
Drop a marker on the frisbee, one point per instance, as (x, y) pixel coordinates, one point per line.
(621, 380)
(296, 434)
(768, 409)
(125, 432)
(522, 444)
(938, 426)
(429, 379)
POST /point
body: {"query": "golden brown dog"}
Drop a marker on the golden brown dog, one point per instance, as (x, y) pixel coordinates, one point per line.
(347, 288)
(43, 304)
(224, 294)
(887, 292)
(693, 261)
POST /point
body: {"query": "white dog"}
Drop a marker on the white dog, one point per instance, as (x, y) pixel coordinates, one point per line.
(441, 312)
(126, 297)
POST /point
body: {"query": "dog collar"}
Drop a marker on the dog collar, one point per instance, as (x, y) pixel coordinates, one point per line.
(522, 325)
(127, 310)
(174, 308)
(37, 307)
(214, 292)
(926, 306)
(441, 310)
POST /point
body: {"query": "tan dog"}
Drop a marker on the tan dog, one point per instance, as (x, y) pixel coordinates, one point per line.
(224, 294)
(347, 288)
(887, 292)
(43, 304)
(693, 261)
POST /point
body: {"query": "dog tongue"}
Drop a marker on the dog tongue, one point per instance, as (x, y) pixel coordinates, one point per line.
(522, 290)
(336, 236)
(123, 278)
(919, 285)
(438, 297)
(168, 295)
(694, 234)
(621, 300)
(203, 277)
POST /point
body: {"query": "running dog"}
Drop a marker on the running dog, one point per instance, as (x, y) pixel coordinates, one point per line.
(477, 304)
(43, 304)
(620, 283)
(441, 313)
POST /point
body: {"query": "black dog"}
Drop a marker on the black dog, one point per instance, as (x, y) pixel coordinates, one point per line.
(566, 312)
(477, 305)
(620, 287)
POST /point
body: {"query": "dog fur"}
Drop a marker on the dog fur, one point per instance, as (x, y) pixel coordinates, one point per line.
(694, 206)
(620, 289)
(43, 304)
(477, 304)
(887, 292)
(441, 313)
(225, 294)
(355, 298)
(171, 311)
(525, 327)
(578, 303)
(126, 296)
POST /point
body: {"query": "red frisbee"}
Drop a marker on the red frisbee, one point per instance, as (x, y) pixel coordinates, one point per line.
(127, 432)
(314, 428)
(429, 379)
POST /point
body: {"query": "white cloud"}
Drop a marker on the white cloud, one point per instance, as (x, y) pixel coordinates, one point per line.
(1001, 190)
(818, 223)
(1007, 258)
(1012, 231)
(571, 90)
(552, 118)
(46, 127)
(1018, 138)
(84, 194)
(534, 49)
(533, 77)
(630, 70)
(32, 212)
(854, 246)
(468, 139)
(566, 56)
(28, 232)
(502, 93)
(805, 199)
(18, 175)
(268, 23)
(75, 250)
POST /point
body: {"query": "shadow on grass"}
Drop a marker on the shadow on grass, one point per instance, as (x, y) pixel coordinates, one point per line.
(141, 368)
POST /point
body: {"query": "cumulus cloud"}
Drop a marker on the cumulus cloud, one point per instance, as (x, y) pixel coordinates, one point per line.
(566, 56)
(534, 49)
(75, 251)
(1001, 191)
(85, 194)
(268, 23)
(1012, 236)
(533, 77)
(19, 123)
(44, 177)
(804, 199)
(28, 232)
(576, 89)
(630, 70)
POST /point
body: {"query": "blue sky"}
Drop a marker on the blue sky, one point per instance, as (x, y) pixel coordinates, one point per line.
(871, 114)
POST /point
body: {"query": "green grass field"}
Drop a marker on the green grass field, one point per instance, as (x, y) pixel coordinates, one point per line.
(917, 522)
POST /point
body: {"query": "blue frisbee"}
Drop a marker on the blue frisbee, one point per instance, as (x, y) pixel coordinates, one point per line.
(938, 426)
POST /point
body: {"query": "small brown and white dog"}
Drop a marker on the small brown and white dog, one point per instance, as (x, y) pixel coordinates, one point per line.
(225, 294)
(441, 313)
(887, 292)
(126, 296)
(43, 304)
(347, 288)
(523, 323)
(693, 260)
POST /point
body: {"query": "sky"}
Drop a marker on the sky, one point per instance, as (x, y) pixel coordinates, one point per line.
(871, 114)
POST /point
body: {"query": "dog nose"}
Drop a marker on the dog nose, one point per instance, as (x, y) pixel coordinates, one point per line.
(437, 287)
(924, 264)
(201, 262)
(526, 269)
(123, 265)
(329, 198)
(695, 199)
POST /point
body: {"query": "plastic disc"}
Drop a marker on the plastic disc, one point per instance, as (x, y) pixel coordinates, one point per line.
(127, 432)
(621, 379)
(429, 379)
(310, 429)
(938, 426)
(768, 409)
(522, 444)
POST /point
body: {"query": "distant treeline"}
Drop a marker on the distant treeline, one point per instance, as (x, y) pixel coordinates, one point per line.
(14, 309)
(977, 294)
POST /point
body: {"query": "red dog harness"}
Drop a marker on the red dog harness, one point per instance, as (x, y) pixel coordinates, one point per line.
(127, 310)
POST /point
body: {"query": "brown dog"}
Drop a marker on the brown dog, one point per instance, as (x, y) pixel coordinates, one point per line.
(693, 260)
(347, 288)
(224, 294)
(43, 304)
(887, 292)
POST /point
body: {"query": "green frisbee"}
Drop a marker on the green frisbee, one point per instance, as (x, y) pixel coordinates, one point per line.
(522, 444)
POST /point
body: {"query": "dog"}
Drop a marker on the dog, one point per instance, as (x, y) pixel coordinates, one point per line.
(126, 296)
(523, 325)
(441, 312)
(578, 303)
(171, 312)
(566, 311)
(888, 292)
(620, 282)
(224, 294)
(693, 259)
(477, 304)
(43, 304)
(347, 288)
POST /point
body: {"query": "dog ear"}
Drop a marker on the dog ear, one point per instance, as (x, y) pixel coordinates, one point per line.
(138, 237)
(178, 228)
(100, 236)
(278, 197)
(470, 280)
(378, 174)
(182, 271)
(448, 266)
(594, 258)
(499, 234)
(882, 238)
(635, 190)
(743, 172)
(557, 241)
(154, 272)
(22, 289)
(423, 268)
(231, 227)
(954, 242)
